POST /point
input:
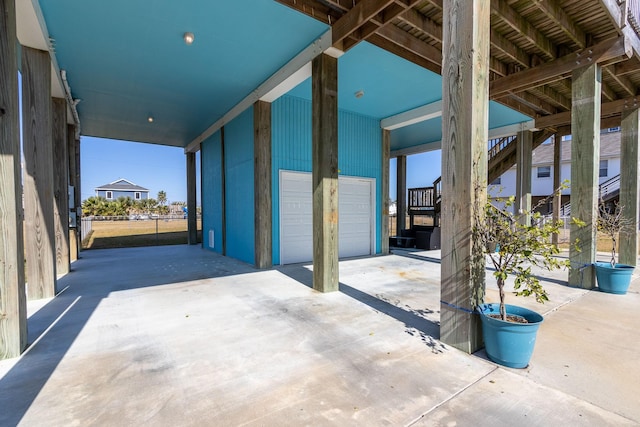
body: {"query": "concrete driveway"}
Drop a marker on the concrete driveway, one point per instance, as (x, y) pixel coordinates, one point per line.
(180, 336)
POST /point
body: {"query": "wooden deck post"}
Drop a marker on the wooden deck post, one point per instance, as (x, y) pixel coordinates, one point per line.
(465, 80)
(78, 191)
(386, 151)
(38, 173)
(74, 236)
(524, 153)
(192, 223)
(585, 156)
(325, 172)
(262, 183)
(401, 194)
(630, 159)
(223, 195)
(557, 177)
(13, 304)
(61, 185)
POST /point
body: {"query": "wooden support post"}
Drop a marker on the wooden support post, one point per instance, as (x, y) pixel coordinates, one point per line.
(262, 183)
(192, 223)
(324, 82)
(524, 153)
(386, 150)
(630, 158)
(557, 177)
(223, 196)
(465, 79)
(74, 237)
(61, 185)
(585, 156)
(78, 193)
(13, 304)
(38, 173)
(401, 194)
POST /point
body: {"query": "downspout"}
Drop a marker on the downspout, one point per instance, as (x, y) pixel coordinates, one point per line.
(72, 102)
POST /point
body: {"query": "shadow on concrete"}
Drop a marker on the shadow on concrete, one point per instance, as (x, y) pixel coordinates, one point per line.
(53, 329)
(414, 320)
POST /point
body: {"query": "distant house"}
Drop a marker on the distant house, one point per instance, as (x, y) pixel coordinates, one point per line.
(122, 188)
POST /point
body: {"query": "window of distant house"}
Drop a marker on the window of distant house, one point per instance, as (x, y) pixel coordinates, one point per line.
(109, 195)
(544, 171)
(496, 181)
(604, 168)
(566, 138)
(137, 196)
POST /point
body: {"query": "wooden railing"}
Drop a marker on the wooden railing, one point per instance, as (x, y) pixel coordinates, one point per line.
(498, 144)
(421, 198)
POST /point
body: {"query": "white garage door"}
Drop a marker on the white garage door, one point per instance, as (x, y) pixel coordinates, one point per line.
(356, 203)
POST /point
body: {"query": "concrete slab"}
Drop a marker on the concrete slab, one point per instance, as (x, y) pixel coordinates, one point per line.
(182, 336)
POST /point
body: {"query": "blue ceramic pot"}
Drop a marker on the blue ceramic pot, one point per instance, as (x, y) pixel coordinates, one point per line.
(508, 343)
(614, 280)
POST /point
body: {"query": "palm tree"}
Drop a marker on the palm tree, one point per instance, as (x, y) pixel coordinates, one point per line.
(162, 198)
(93, 206)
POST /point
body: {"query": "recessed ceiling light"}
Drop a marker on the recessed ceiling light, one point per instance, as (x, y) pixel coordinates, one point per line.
(359, 94)
(188, 38)
(150, 119)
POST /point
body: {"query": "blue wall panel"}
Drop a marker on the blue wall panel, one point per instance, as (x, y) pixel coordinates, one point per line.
(359, 152)
(212, 192)
(238, 146)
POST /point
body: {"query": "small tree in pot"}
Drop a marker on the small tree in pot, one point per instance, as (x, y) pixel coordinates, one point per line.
(516, 242)
(612, 277)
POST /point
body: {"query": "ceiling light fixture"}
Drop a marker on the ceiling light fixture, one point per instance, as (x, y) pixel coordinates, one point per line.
(150, 119)
(359, 94)
(188, 38)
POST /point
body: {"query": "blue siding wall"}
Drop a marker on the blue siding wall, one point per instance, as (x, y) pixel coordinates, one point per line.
(359, 152)
(212, 192)
(116, 194)
(238, 147)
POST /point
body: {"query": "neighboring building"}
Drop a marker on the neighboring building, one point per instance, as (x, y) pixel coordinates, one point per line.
(542, 170)
(122, 188)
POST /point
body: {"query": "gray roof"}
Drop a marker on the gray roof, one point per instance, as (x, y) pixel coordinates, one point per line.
(121, 185)
(609, 147)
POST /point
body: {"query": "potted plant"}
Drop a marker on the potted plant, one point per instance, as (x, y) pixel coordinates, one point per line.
(514, 243)
(613, 277)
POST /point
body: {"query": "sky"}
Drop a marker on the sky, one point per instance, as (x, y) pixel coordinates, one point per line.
(422, 170)
(156, 167)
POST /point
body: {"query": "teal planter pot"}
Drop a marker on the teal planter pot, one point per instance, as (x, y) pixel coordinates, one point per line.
(508, 343)
(613, 280)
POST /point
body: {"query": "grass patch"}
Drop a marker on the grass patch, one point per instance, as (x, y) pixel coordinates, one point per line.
(127, 234)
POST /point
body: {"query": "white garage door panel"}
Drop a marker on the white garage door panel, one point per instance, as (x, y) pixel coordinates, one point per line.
(355, 213)
(295, 218)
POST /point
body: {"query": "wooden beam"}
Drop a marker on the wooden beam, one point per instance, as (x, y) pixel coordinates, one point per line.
(630, 163)
(262, 184)
(585, 155)
(630, 66)
(508, 15)
(74, 237)
(411, 43)
(557, 179)
(358, 16)
(627, 85)
(559, 17)
(61, 185)
(411, 56)
(608, 50)
(324, 83)
(192, 215)
(422, 23)
(13, 304)
(38, 173)
(464, 168)
(401, 194)
(517, 55)
(524, 153)
(607, 109)
(386, 149)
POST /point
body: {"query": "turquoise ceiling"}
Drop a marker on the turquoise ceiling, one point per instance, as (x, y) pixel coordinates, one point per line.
(127, 61)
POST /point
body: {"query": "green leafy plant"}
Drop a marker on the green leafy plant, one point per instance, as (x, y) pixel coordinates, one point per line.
(516, 242)
(610, 222)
